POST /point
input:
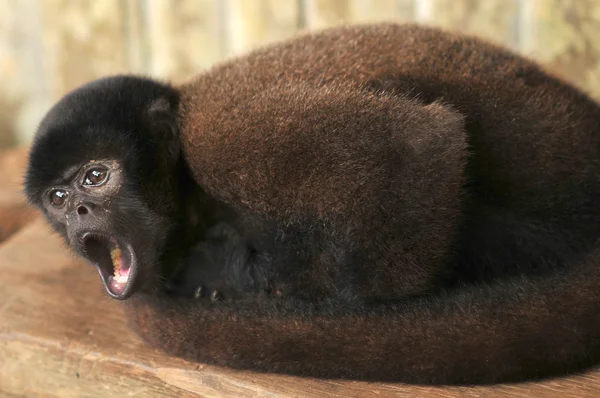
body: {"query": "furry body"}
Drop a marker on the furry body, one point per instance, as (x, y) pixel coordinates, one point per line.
(408, 204)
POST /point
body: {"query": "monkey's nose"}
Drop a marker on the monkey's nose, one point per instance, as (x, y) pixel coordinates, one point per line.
(84, 209)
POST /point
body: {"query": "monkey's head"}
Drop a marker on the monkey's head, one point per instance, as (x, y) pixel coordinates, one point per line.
(104, 168)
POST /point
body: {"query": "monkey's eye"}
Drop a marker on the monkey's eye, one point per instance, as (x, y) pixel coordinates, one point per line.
(58, 197)
(96, 176)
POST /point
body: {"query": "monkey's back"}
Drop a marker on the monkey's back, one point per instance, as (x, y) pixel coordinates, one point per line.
(533, 139)
(517, 113)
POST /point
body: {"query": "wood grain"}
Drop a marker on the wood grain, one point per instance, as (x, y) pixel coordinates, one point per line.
(15, 213)
(61, 336)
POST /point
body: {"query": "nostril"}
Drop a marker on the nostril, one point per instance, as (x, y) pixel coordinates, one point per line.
(82, 210)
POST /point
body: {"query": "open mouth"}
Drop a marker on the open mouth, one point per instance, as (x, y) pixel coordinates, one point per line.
(115, 263)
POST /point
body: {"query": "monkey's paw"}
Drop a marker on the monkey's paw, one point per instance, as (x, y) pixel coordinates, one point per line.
(196, 292)
(203, 292)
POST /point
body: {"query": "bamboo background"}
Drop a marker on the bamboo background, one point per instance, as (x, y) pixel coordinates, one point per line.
(48, 47)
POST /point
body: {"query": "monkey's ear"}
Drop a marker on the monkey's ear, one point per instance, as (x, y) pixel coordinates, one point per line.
(164, 130)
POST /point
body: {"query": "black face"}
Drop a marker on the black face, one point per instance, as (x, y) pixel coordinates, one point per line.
(104, 168)
(82, 204)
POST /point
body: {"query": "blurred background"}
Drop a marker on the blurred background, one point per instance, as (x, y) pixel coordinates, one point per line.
(48, 47)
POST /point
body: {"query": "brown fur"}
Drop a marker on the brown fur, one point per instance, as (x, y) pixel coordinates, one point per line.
(397, 203)
(362, 129)
(505, 332)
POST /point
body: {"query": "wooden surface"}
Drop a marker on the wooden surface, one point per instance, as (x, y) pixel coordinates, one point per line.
(61, 336)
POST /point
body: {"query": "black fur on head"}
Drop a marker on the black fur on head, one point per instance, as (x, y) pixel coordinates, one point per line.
(120, 108)
(127, 125)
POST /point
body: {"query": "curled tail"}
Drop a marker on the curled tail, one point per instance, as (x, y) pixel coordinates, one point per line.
(518, 329)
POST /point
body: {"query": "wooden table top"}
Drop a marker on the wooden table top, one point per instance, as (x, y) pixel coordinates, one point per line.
(61, 336)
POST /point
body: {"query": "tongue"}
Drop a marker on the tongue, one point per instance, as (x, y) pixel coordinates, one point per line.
(117, 286)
